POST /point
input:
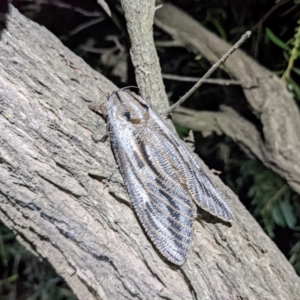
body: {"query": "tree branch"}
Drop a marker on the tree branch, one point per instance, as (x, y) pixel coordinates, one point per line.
(266, 94)
(139, 18)
(219, 81)
(226, 122)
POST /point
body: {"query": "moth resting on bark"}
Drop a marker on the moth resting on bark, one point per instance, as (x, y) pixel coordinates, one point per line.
(162, 178)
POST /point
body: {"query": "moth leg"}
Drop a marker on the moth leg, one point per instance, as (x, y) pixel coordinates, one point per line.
(112, 174)
(98, 108)
(109, 177)
(103, 139)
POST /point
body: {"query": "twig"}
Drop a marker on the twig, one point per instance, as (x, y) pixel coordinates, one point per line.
(165, 44)
(112, 15)
(266, 16)
(275, 197)
(105, 7)
(83, 26)
(209, 72)
(67, 6)
(196, 79)
(293, 55)
(98, 50)
(288, 11)
(116, 40)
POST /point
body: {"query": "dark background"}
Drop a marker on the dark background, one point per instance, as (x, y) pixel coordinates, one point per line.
(85, 28)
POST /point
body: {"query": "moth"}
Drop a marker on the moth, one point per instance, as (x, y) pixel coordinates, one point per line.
(163, 180)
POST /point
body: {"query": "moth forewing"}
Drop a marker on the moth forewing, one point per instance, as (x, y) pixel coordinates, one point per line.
(200, 187)
(162, 178)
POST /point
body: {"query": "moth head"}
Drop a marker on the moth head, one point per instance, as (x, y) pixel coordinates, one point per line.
(128, 107)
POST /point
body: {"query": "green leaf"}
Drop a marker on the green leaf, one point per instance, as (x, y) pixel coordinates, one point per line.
(182, 130)
(277, 41)
(270, 230)
(296, 248)
(288, 213)
(296, 70)
(296, 228)
(278, 216)
(198, 57)
(293, 258)
(294, 86)
(224, 152)
(252, 191)
(219, 27)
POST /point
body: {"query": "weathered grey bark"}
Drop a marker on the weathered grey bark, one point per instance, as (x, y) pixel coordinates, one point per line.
(139, 16)
(55, 196)
(266, 94)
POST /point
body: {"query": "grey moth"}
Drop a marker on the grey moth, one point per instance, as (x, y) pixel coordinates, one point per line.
(162, 178)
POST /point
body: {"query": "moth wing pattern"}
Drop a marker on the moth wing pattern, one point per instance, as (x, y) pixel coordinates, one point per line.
(200, 187)
(161, 176)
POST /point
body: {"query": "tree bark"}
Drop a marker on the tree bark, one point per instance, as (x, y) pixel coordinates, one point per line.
(139, 17)
(55, 193)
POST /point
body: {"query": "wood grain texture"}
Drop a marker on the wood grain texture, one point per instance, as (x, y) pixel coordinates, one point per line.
(55, 196)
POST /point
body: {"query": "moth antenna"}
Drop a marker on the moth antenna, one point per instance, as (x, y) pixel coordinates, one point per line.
(128, 87)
